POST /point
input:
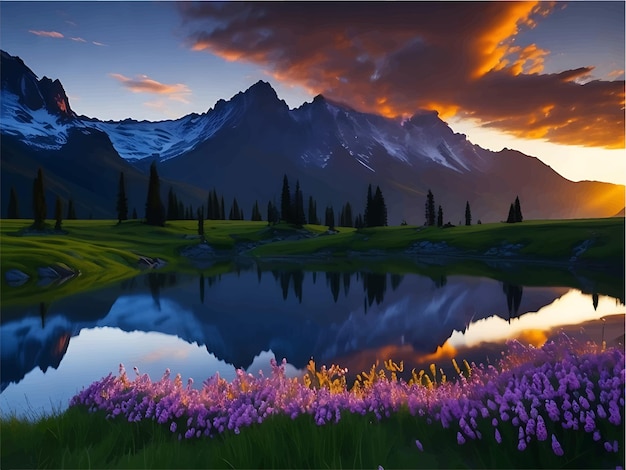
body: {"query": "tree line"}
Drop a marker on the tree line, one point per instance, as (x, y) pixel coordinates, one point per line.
(291, 208)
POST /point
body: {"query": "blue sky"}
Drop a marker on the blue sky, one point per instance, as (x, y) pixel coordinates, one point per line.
(546, 79)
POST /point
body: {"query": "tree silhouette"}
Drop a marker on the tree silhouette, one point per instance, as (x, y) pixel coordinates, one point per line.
(468, 214)
(13, 211)
(58, 213)
(329, 220)
(234, 211)
(256, 213)
(440, 217)
(313, 212)
(172, 205)
(39, 202)
(518, 210)
(71, 210)
(298, 207)
(511, 218)
(380, 209)
(201, 222)
(367, 215)
(285, 201)
(430, 209)
(122, 201)
(155, 212)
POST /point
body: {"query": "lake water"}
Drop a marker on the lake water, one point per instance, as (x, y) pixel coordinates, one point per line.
(197, 325)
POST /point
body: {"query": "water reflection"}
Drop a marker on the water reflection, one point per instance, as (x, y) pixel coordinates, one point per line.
(348, 318)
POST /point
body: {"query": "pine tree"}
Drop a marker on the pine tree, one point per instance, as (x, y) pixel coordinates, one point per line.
(181, 210)
(39, 202)
(234, 211)
(13, 211)
(518, 210)
(298, 207)
(345, 216)
(201, 222)
(468, 214)
(58, 213)
(313, 212)
(285, 202)
(511, 218)
(256, 213)
(222, 213)
(380, 208)
(172, 205)
(358, 221)
(155, 212)
(367, 216)
(71, 210)
(122, 201)
(270, 213)
(330, 218)
(440, 217)
(430, 209)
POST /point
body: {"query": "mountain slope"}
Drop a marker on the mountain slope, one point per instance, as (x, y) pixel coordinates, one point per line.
(243, 146)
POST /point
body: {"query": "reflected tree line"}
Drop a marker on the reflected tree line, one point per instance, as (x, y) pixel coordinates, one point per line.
(374, 286)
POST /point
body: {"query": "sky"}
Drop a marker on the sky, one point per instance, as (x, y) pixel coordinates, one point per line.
(543, 78)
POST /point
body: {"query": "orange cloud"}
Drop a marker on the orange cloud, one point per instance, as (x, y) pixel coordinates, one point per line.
(47, 34)
(396, 58)
(144, 84)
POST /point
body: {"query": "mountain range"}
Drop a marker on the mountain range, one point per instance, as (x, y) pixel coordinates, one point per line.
(242, 147)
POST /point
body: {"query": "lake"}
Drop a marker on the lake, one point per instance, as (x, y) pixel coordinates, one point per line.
(198, 325)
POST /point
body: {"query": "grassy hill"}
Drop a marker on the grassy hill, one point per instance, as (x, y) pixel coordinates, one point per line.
(105, 252)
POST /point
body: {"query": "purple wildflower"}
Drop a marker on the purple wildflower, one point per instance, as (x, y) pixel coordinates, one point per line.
(418, 444)
(498, 437)
(556, 447)
(542, 433)
(459, 438)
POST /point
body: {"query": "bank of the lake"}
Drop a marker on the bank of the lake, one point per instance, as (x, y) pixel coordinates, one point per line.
(102, 252)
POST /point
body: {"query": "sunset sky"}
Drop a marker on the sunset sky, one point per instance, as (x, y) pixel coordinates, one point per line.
(544, 78)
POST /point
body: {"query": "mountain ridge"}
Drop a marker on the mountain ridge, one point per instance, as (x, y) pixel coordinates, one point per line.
(243, 147)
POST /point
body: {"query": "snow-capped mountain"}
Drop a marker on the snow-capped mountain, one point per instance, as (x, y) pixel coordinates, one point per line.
(243, 146)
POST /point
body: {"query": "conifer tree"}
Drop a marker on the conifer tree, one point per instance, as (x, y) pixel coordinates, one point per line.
(172, 205)
(380, 208)
(440, 217)
(256, 213)
(518, 210)
(430, 209)
(298, 207)
(358, 221)
(39, 202)
(13, 211)
(155, 212)
(122, 201)
(511, 218)
(330, 218)
(71, 210)
(345, 216)
(367, 216)
(222, 214)
(234, 211)
(285, 202)
(201, 222)
(58, 213)
(468, 214)
(313, 212)
(181, 210)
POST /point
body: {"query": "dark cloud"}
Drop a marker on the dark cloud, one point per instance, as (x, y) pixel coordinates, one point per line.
(394, 58)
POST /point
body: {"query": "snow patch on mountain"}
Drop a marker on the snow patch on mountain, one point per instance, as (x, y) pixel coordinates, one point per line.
(36, 128)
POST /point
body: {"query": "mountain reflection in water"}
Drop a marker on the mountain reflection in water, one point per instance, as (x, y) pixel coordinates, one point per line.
(205, 324)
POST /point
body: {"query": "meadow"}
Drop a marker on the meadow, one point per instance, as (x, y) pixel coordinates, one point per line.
(558, 406)
(105, 252)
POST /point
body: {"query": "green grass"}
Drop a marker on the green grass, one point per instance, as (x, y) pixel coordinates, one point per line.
(542, 239)
(77, 439)
(105, 252)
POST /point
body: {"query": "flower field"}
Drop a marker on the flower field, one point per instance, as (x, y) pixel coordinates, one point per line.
(558, 406)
